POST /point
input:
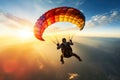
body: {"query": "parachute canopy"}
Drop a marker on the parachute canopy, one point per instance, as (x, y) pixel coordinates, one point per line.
(60, 14)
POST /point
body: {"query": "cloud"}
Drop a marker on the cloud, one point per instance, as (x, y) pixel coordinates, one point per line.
(80, 2)
(72, 76)
(24, 62)
(54, 1)
(51, 1)
(11, 25)
(104, 19)
(11, 21)
(18, 20)
(65, 2)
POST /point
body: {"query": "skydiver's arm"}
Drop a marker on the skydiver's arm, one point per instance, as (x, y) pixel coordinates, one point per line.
(71, 43)
(58, 46)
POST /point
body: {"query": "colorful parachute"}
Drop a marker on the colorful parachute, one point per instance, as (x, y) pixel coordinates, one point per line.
(60, 14)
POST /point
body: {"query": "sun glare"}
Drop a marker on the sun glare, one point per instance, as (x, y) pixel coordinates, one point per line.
(25, 33)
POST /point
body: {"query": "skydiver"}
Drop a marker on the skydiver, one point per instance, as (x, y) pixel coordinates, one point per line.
(66, 50)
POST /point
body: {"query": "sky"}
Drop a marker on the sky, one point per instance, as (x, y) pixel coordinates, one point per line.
(102, 17)
(23, 57)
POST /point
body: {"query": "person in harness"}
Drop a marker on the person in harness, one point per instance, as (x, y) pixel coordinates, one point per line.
(66, 50)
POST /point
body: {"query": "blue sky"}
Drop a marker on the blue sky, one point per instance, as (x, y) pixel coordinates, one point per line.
(101, 16)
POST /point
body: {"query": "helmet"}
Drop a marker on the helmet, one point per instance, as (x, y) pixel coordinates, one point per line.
(63, 40)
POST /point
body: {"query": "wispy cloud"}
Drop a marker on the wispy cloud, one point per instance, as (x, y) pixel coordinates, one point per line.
(67, 2)
(18, 20)
(11, 25)
(72, 76)
(55, 1)
(104, 19)
(11, 21)
(80, 2)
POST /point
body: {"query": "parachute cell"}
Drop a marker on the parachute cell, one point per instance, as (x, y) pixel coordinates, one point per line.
(60, 14)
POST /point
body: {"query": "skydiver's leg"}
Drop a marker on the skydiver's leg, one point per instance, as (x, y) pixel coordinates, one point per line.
(62, 59)
(77, 57)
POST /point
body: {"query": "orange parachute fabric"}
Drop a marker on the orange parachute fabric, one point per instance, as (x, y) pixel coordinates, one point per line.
(60, 14)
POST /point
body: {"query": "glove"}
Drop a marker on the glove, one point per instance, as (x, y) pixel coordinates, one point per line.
(57, 44)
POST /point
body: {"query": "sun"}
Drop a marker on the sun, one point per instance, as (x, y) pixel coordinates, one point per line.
(25, 33)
